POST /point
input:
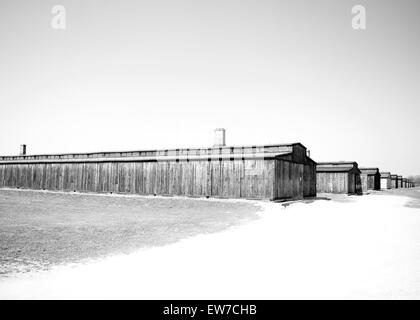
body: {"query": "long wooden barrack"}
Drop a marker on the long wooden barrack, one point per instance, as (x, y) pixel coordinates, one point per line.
(282, 171)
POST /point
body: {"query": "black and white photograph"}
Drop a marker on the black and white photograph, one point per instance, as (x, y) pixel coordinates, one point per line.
(236, 150)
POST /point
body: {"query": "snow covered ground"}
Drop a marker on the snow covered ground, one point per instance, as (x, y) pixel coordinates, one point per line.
(359, 247)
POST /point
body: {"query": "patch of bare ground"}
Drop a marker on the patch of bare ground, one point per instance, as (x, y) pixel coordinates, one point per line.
(42, 229)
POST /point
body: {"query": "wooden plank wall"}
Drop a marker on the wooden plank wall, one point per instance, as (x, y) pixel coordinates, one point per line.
(218, 178)
(385, 183)
(294, 180)
(365, 182)
(332, 182)
(377, 181)
(352, 183)
(357, 183)
(394, 183)
(309, 189)
(370, 181)
(400, 183)
(299, 153)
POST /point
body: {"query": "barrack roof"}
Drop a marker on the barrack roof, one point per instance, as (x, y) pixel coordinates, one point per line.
(236, 152)
(385, 174)
(340, 166)
(369, 170)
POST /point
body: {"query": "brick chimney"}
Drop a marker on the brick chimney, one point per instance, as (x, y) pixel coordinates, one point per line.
(22, 150)
(219, 137)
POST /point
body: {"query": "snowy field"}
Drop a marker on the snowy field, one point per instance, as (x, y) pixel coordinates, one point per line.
(357, 247)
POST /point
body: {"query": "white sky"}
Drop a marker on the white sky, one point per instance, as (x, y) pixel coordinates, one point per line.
(165, 73)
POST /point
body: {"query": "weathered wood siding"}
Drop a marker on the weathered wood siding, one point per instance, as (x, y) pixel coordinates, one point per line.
(338, 182)
(377, 182)
(352, 184)
(257, 172)
(385, 183)
(259, 179)
(400, 182)
(332, 182)
(299, 153)
(225, 178)
(294, 180)
(309, 186)
(370, 182)
(394, 182)
(356, 186)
